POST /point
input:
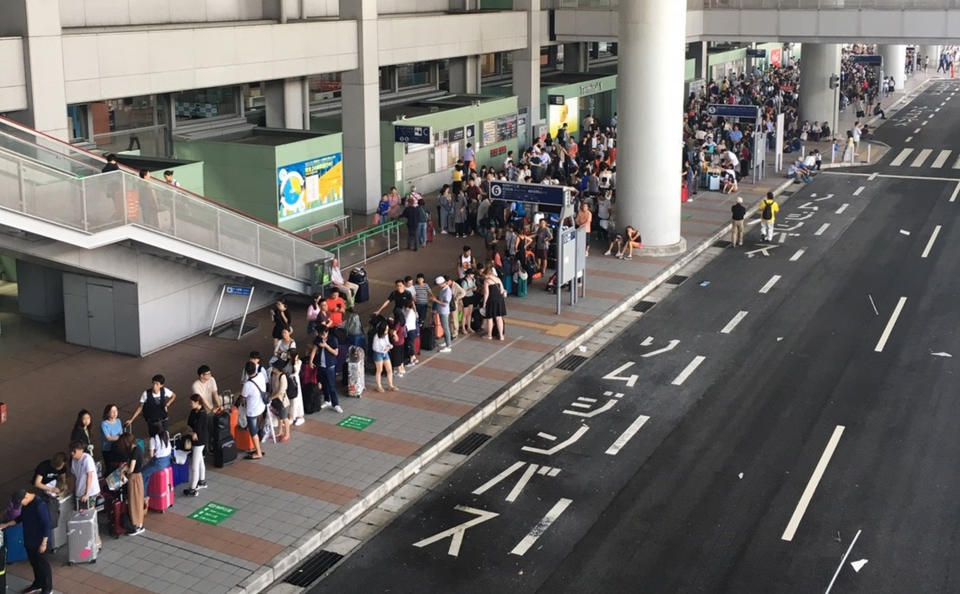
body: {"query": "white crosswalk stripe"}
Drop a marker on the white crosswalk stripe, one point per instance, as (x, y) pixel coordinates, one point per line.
(918, 162)
(898, 161)
(930, 158)
(941, 159)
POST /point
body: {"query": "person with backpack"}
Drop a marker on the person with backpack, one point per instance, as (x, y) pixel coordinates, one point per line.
(254, 394)
(768, 217)
(155, 402)
(294, 388)
(279, 401)
(323, 356)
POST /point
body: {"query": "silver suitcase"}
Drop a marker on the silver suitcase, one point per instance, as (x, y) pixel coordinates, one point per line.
(82, 532)
(58, 536)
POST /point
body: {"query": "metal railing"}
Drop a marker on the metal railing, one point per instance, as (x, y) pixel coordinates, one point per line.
(105, 201)
(51, 151)
(367, 244)
(774, 4)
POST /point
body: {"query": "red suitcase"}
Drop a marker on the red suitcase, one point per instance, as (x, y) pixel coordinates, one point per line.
(160, 490)
(117, 515)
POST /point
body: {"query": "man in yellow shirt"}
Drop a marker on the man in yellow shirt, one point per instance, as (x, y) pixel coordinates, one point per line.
(768, 216)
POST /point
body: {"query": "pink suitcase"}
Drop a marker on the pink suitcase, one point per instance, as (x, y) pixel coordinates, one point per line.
(160, 490)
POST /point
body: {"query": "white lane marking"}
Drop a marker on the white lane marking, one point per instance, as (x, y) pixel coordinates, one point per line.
(553, 472)
(537, 531)
(953, 197)
(647, 341)
(843, 208)
(769, 284)
(487, 485)
(822, 228)
(627, 435)
(569, 441)
(484, 361)
(783, 237)
(580, 405)
(797, 255)
(928, 117)
(890, 324)
(917, 131)
(942, 103)
(933, 238)
(585, 399)
(733, 322)
(908, 139)
(455, 534)
(885, 176)
(609, 404)
(670, 346)
(937, 109)
(924, 122)
(688, 370)
(524, 479)
(844, 560)
(941, 159)
(547, 436)
(859, 190)
(918, 162)
(901, 157)
(874, 305)
(812, 484)
(873, 176)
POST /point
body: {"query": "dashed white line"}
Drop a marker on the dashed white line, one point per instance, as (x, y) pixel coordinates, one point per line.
(769, 284)
(908, 139)
(873, 176)
(733, 322)
(924, 122)
(928, 117)
(627, 435)
(953, 197)
(859, 190)
(484, 361)
(807, 495)
(917, 131)
(688, 370)
(937, 109)
(822, 228)
(537, 531)
(797, 255)
(933, 238)
(890, 324)
(842, 561)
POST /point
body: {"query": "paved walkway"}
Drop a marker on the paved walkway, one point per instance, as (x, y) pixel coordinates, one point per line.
(304, 491)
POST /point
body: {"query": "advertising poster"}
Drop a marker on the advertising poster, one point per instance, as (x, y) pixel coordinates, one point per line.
(310, 185)
(558, 115)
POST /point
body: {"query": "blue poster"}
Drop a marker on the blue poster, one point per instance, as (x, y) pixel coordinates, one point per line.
(310, 185)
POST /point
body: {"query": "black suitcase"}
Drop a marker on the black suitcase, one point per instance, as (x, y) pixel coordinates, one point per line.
(225, 452)
(221, 426)
(358, 276)
(311, 399)
(428, 340)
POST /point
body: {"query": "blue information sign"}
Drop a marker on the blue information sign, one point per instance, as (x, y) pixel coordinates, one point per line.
(756, 53)
(412, 134)
(238, 290)
(733, 111)
(867, 59)
(534, 193)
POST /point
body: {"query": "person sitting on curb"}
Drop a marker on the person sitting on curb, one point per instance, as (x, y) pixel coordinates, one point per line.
(625, 243)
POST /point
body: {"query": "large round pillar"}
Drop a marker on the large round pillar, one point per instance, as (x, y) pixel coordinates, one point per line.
(894, 62)
(818, 102)
(932, 54)
(651, 52)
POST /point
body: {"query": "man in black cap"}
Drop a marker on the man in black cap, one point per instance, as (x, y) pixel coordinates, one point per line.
(36, 530)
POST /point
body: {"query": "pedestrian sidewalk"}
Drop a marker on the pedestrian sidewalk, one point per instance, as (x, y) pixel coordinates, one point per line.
(306, 490)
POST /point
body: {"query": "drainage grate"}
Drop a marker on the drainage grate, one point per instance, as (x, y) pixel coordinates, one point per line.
(644, 306)
(723, 243)
(676, 279)
(571, 362)
(313, 568)
(470, 443)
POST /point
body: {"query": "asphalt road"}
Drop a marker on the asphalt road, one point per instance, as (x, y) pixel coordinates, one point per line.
(761, 455)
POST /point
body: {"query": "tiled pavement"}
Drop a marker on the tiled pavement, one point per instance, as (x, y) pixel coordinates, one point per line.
(307, 483)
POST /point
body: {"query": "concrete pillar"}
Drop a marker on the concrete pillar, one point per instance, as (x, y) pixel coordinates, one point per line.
(652, 37)
(575, 57)
(932, 53)
(361, 113)
(38, 22)
(465, 75)
(287, 103)
(818, 102)
(526, 67)
(894, 62)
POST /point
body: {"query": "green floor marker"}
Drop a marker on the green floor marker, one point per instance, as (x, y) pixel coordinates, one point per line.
(213, 513)
(356, 422)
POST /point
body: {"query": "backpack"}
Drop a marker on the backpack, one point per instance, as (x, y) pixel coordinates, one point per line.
(292, 391)
(264, 396)
(767, 210)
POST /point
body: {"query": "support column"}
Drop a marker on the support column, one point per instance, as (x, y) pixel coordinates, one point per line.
(818, 102)
(575, 57)
(287, 103)
(652, 38)
(932, 53)
(38, 22)
(526, 67)
(465, 75)
(894, 62)
(361, 112)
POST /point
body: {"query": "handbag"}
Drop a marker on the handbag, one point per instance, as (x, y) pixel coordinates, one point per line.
(116, 479)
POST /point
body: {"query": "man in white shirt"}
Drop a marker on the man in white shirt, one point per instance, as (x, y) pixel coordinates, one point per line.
(253, 390)
(84, 470)
(856, 134)
(348, 288)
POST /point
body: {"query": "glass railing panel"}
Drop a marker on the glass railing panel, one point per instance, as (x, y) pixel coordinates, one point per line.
(276, 251)
(9, 184)
(51, 196)
(82, 163)
(238, 237)
(105, 203)
(196, 221)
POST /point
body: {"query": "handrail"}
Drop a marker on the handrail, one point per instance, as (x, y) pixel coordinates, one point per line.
(374, 241)
(365, 233)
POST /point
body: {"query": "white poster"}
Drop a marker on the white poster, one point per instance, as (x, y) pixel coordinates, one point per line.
(778, 157)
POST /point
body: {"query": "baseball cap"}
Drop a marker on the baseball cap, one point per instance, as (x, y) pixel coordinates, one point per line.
(440, 280)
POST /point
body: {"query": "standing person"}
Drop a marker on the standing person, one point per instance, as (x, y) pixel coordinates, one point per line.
(253, 392)
(445, 209)
(135, 491)
(111, 428)
(293, 375)
(397, 331)
(168, 177)
(412, 214)
(323, 356)
(584, 222)
(443, 309)
(280, 318)
(336, 307)
(470, 294)
(313, 311)
(112, 163)
(466, 262)
(494, 303)
(49, 476)
(460, 211)
(736, 226)
(422, 296)
(604, 211)
(155, 403)
(395, 298)
(469, 158)
(81, 430)
(159, 451)
(280, 353)
(35, 519)
(206, 386)
(768, 216)
(381, 357)
(279, 401)
(542, 241)
(84, 469)
(412, 326)
(423, 219)
(199, 434)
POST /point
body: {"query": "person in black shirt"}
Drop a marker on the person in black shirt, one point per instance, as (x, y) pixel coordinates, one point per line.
(736, 227)
(50, 474)
(134, 467)
(396, 297)
(198, 425)
(111, 164)
(36, 531)
(81, 430)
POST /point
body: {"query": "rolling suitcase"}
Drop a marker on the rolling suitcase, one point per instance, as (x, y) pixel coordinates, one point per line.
(181, 472)
(13, 541)
(82, 533)
(437, 326)
(3, 567)
(355, 372)
(225, 453)
(118, 516)
(358, 276)
(160, 490)
(60, 510)
(521, 286)
(427, 338)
